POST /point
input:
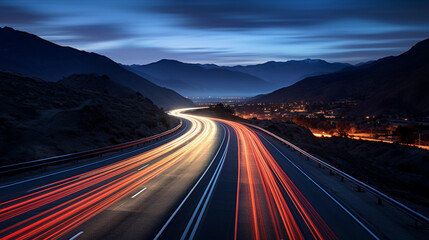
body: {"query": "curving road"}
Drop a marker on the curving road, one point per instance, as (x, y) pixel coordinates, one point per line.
(215, 179)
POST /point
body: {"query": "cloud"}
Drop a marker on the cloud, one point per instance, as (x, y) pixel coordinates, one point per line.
(226, 31)
(143, 55)
(19, 15)
(357, 56)
(237, 15)
(230, 16)
(91, 33)
(393, 45)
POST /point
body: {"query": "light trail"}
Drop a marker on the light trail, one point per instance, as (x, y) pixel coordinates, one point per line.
(268, 204)
(56, 208)
(206, 196)
(189, 193)
(267, 200)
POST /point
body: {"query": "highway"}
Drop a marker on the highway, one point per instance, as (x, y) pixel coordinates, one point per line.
(214, 179)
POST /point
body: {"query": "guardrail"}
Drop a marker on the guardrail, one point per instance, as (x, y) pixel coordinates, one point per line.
(418, 217)
(20, 167)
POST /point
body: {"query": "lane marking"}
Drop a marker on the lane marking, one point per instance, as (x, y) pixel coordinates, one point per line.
(142, 167)
(206, 196)
(44, 186)
(192, 190)
(197, 223)
(89, 164)
(323, 190)
(75, 236)
(135, 195)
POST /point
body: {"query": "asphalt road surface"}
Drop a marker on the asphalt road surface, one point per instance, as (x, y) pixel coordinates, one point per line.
(214, 179)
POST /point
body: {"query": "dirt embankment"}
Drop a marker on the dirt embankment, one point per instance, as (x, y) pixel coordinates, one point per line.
(41, 119)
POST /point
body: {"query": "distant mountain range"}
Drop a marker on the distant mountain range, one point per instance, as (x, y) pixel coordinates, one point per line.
(213, 80)
(32, 56)
(390, 85)
(27, 54)
(281, 74)
(194, 80)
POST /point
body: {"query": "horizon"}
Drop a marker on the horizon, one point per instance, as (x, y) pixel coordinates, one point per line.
(269, 84)
(199, 63)
(223, 65)
(234, 65)
(226, 33)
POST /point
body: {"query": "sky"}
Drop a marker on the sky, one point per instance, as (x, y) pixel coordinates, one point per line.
(225, 32)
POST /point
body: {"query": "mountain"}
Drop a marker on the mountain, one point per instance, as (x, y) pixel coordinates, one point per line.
(389, 85)
(30, 55)
(282, 74)
(194, 80)
(41, 119)
(97, 83)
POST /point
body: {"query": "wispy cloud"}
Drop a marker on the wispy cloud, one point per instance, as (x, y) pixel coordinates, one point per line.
(226, 32)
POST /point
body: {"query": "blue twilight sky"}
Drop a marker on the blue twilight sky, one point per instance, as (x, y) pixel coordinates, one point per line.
(225, 32)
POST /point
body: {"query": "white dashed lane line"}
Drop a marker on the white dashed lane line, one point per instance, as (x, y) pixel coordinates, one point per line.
(135, 195)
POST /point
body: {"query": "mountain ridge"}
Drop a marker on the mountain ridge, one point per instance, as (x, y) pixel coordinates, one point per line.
(30, 55)
(284, 73)
(195, 80)
(395, 84)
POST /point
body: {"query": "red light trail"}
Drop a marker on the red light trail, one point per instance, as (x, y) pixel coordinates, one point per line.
(268, 204)
(263, 193)
(85, 195)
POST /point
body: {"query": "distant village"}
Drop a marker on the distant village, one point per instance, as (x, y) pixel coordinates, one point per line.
(335, 119)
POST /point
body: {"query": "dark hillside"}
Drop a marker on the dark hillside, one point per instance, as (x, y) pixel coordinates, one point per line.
(27, 54)
(96, 83)
(392, 85)
(40, 119)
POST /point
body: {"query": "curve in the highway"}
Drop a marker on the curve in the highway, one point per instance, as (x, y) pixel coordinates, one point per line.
(218, 180)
